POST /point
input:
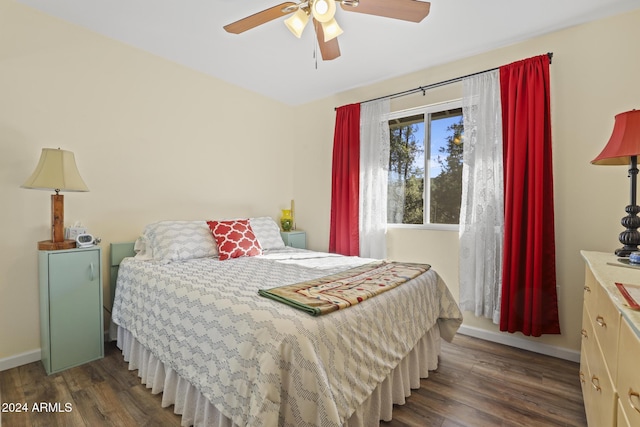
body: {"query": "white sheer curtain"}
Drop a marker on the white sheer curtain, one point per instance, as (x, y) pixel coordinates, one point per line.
(395, 199)
(374, 167)
(482, 207)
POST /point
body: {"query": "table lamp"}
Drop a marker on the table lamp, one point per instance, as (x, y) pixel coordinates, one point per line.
(56, 171)
(623, 148)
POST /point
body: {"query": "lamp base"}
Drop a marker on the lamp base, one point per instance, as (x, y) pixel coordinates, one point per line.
(625, 252)
(50, 245)
(630, 237)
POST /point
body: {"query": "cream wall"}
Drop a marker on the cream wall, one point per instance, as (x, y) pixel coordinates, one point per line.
(594, 76)
(152, 140)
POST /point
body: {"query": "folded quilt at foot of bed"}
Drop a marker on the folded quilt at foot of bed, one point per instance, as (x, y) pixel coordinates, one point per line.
(342, 290)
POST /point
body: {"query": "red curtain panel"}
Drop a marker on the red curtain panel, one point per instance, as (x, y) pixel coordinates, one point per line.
(345, 182)
(529, 297)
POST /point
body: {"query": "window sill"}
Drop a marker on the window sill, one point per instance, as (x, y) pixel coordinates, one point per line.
(435, 227)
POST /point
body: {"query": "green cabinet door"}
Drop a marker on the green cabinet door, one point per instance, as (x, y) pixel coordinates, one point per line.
(73, 303)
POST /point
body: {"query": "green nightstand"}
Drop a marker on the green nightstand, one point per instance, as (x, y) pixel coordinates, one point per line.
(71, 324)
(295, 239)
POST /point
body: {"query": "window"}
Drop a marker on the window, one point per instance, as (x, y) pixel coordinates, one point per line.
(425, 142)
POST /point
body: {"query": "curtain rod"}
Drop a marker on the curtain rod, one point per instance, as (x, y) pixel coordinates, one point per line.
(423, 89)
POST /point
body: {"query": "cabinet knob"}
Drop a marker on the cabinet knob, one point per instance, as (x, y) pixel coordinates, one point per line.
(600, 321)
(584, 333)
(595, 383)
(587, 289)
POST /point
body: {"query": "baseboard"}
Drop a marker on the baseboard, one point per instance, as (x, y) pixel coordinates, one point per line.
(514, 341)
(29, 357)
(19, 359)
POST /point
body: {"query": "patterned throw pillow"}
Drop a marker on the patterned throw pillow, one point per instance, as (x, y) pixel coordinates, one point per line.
(267, 232)
(234, 238)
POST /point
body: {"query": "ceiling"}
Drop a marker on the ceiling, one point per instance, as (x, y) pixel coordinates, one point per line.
(271, 61)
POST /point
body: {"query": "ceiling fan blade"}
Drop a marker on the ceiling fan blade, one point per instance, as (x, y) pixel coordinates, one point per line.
(329, 50)
(260, 18)
(406, 10)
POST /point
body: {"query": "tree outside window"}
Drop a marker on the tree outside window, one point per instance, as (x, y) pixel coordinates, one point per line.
(425, 142)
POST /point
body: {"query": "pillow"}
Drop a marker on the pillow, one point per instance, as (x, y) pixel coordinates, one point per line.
(235, 238)
(140, 248)
(178, 241)
(267, 232)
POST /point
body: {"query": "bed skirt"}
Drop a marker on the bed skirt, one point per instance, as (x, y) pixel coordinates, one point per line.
(196, 410)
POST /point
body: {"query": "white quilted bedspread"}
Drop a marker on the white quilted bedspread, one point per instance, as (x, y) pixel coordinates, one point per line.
(263, 363)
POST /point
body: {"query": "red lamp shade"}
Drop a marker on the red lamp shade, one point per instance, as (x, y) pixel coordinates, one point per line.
(624, 141)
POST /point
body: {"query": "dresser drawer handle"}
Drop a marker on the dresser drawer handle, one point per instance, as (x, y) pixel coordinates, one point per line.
(632, 395)
(584, 333)
(600, 321)
(93, 273)
(595, 383)
(587, 289)
(582, 380)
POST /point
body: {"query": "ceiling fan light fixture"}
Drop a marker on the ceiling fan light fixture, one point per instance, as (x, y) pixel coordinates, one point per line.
(331, 30)
(324, 24)
(297, 22)
(323, 10)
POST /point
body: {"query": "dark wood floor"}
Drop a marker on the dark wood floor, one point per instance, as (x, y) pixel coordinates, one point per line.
(477, 384)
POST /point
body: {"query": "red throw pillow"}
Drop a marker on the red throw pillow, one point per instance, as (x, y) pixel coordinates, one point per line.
(234, 238)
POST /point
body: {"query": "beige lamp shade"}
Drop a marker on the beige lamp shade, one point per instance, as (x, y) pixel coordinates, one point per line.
(56, 171)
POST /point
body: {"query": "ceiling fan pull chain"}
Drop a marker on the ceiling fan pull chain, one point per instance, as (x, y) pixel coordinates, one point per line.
(315, 52)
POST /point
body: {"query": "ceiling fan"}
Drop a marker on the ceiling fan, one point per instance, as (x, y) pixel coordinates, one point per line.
(323, 14)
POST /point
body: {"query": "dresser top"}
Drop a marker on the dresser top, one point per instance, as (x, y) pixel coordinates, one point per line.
(608, 270)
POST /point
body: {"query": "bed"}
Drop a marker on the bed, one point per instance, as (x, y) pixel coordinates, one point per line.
(194, 326)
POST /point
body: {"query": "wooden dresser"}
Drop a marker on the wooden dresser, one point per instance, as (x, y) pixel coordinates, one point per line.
(610, 352)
